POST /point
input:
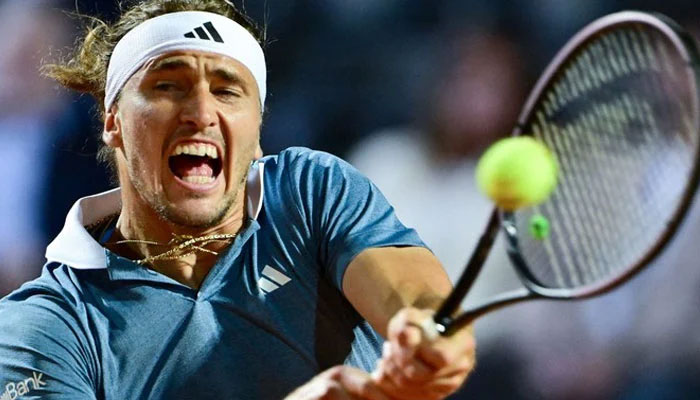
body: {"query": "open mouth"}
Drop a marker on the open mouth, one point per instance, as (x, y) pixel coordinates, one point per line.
(195, 163)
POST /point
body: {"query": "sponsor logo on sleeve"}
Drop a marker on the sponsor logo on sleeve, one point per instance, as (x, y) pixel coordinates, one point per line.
(15, 390)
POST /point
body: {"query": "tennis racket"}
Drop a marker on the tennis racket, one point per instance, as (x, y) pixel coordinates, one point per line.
(618, 107)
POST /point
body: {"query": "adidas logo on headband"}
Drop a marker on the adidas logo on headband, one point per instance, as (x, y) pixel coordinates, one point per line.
(169, 32)
(203, 35)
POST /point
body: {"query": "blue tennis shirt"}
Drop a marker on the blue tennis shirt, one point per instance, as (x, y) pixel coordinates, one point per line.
(268, 317)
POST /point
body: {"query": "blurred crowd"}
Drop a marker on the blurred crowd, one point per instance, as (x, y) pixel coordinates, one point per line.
(410, 92)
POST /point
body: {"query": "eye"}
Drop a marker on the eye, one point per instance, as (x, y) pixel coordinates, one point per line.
(226, 92)
(165, 86)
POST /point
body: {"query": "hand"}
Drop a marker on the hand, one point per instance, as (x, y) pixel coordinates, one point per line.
(416, 367)
(339, 383)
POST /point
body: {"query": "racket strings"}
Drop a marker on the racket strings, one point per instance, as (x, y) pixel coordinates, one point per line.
(619, 119)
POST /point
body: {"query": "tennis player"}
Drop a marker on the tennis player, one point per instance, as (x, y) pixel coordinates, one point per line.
(212, 271)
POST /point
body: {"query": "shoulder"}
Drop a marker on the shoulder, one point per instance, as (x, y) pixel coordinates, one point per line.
(45, 336)
(304, 172)
(50, 301)
(296, 159)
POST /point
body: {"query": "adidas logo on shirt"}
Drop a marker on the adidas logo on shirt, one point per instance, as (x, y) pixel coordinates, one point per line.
(201, 32)
(271, 280)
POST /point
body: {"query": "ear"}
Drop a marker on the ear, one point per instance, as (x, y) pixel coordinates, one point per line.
(111, 131)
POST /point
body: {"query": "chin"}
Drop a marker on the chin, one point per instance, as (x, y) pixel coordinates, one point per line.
(197, 213)
(193, 220)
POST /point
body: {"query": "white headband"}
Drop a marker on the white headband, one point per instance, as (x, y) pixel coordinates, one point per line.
(186, 30)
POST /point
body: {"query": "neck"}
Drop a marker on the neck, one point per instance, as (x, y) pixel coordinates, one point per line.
(144, 235)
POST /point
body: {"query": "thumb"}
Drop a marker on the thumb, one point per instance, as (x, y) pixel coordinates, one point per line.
(406, 333)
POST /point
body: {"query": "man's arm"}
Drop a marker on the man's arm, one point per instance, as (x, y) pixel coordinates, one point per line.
(381, 281)
(41, 353)
(382, 269)
(340, 382)
(396, 289)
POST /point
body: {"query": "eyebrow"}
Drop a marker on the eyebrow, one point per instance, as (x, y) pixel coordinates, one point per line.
(169, 64)
(172, 64)
(230, 77)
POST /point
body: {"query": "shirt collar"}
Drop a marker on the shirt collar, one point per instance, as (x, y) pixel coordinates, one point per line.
(75, 247)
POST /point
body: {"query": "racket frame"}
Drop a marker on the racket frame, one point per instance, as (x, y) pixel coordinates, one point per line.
(445, 319)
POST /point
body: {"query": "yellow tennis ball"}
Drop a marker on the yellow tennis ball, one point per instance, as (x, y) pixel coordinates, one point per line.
(517, 172)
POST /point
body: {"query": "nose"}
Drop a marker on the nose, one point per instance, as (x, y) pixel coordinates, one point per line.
(199, 109)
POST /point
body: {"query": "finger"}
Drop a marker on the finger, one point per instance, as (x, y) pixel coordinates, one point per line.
(405, 343)
(397, 375)
(359, 383)
(396, 353)
(407, 317)
(436, 389)
(332, 391)
(388, 385)
(385, 382)
(378, 370)
(410, 336)
(430, 330)
(463, 365)
(405, 370)
(444, 386)
(406, 393)
(417, 372)
(412, 329)
(417, 355)
(380, 374)
(446, 351)
(392, 382)
(321, 387)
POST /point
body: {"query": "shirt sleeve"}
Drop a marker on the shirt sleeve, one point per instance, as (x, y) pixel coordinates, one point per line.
(43, 354)
(345, 212)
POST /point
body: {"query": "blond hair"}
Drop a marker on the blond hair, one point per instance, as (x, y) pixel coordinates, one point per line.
(85, 70)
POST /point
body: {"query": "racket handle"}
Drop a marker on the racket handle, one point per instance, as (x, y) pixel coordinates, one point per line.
(443, 316)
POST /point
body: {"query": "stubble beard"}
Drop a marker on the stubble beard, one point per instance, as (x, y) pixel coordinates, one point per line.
(169, 212)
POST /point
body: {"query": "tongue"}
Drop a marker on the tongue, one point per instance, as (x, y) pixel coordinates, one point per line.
(184, 165)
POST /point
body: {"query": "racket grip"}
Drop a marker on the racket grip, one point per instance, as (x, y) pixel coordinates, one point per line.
(443, 316)
(448, 326)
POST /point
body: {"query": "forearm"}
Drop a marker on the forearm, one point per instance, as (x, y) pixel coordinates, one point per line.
(382, 281)
(417, 295)
(395, 289)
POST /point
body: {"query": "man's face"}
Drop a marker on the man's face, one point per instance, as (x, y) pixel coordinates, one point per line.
(187, 127)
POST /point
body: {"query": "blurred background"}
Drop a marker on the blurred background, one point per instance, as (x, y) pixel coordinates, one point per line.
(410, 92)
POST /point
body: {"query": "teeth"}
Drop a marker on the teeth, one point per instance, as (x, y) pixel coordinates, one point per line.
(198, 179)
(200, 149)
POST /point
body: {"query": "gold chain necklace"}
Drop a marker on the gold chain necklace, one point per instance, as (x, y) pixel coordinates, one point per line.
(184, 246)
